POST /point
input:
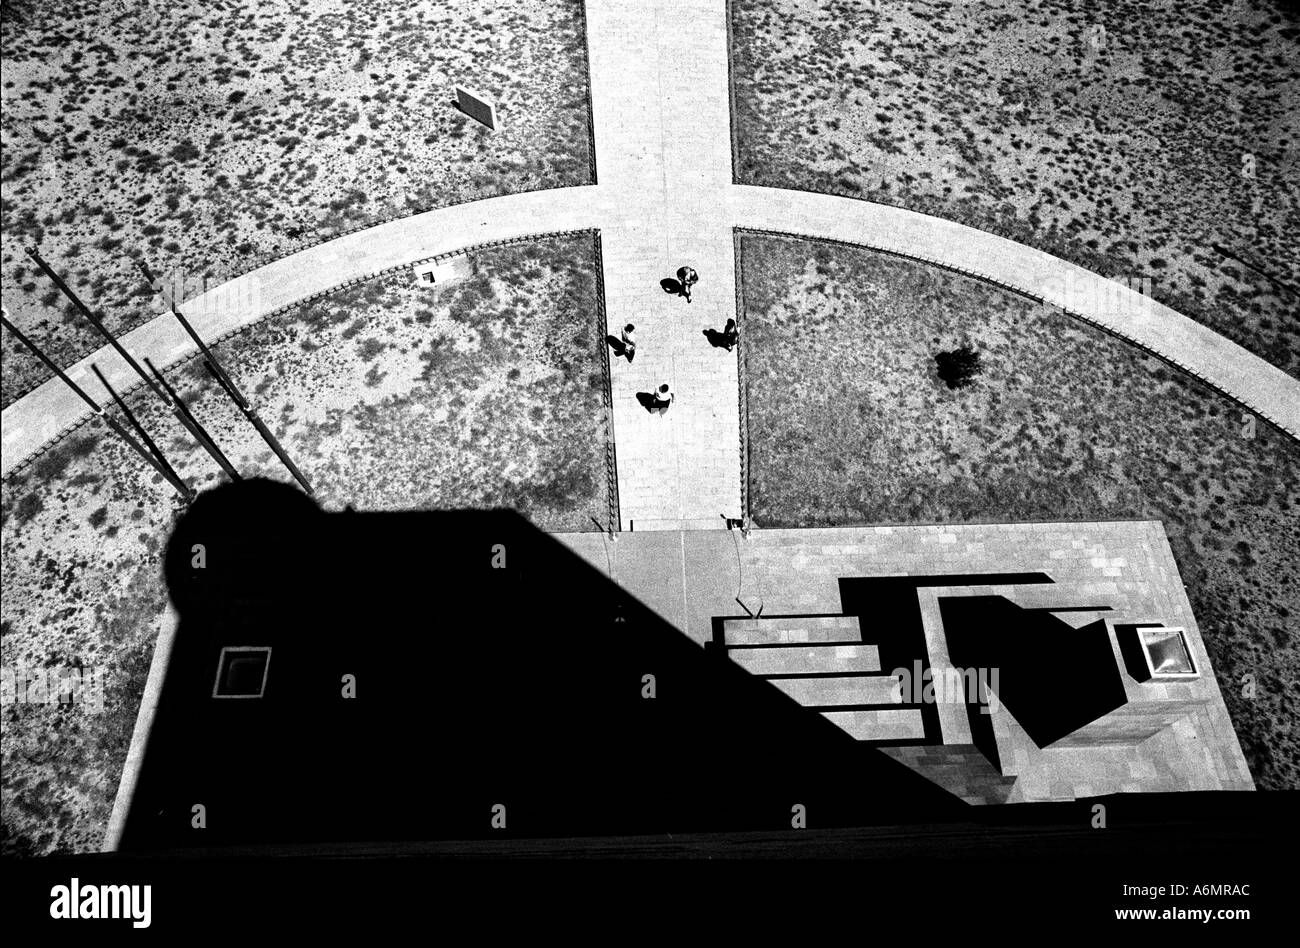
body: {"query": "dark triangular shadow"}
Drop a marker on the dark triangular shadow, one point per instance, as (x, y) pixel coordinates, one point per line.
(490, 666)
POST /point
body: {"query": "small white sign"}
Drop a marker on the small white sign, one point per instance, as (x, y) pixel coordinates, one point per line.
(442, 271)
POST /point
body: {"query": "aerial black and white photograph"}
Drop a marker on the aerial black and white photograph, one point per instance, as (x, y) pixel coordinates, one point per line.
(649, 446)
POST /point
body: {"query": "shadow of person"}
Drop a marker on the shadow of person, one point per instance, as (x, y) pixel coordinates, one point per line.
(717, 339)
(617, 345)
(648, 401)
(673, 286)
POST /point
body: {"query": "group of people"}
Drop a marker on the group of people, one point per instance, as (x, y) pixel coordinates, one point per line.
(663, 396)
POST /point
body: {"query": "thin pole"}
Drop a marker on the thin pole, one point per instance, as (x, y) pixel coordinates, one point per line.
(186, 492)
(182, 414)
(170, 472)
(94, 320)
(193, 423)
(228, 385)
(251, 414)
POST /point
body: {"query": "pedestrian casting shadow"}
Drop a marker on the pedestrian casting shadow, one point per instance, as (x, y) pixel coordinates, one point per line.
(648, 401)
(717, 339)
(673, 287)
(620, 348)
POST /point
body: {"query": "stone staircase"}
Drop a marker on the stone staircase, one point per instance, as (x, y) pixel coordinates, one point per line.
(822, 662)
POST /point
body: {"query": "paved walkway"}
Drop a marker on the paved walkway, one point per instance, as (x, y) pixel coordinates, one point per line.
(51, 409)
(660, 104)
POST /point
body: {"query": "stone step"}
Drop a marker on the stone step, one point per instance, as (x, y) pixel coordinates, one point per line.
(1077, 619)
(887, 724)
(857, 689)
(1051, 595)
(646, 525)
(806, 659)
(790, 631)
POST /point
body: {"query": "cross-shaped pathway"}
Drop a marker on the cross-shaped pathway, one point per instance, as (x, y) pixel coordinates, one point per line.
(665, 198)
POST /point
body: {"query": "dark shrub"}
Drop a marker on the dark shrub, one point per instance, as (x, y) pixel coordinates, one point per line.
(959, 367)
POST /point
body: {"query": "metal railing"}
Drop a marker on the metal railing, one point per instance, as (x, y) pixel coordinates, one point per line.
(742, 380)
(611, 457)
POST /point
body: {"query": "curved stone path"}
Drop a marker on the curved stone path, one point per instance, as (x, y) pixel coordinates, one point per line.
(665, 197)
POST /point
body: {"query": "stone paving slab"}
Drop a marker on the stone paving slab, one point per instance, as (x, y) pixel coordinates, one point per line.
(806, 659)
(793, 572)
(885, 725)
(877, 689)
(660, 102)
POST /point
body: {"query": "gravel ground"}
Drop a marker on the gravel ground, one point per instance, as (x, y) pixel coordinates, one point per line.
(209, 138)
(1133, 137)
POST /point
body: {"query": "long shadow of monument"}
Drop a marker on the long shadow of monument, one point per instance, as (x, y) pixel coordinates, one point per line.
(1054, 678)
(460, 675)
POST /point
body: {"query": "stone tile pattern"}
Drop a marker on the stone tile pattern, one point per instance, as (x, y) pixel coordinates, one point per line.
(660, 103)
(796, 659)
(695, 576)
(960, 769)
(819, 652)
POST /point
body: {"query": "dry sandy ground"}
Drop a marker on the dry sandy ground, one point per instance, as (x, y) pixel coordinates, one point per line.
(1129, 136)
(208, 138)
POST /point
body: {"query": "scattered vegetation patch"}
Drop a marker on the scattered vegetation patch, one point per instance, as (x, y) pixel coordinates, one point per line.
(209, 138)
(1143, 139)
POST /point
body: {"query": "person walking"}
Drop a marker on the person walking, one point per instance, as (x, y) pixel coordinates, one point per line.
(663, 398)
(629, 343)
(730, 334)
(688, 278)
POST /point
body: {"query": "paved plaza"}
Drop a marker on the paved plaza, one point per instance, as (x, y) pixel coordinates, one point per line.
(1183, 741)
